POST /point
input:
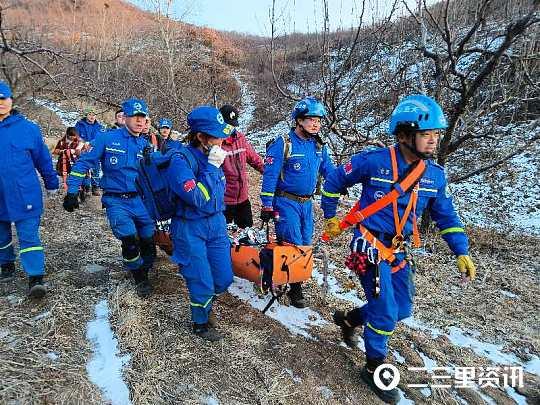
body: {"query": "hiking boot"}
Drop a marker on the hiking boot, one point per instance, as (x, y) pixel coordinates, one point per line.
(82, 196)
(390, 396)
(347, 330)
(296, 298)
(8, 272)
(203, 331)
(95, 191)
(36, 288)
(142, 284)
(212, 320)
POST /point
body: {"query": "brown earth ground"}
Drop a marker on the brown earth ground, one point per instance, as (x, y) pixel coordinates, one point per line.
(259, 361)
(44, 351)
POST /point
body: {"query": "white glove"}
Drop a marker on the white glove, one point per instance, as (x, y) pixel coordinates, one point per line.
(216, 156)
(51, 193)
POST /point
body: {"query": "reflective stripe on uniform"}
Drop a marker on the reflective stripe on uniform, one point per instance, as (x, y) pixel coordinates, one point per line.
(77, 174)
(379, 331)
(431, 190)
(328, 194)
(115, 150)
(30, 249)
(8, 245)
(452, 230)
(267, 194)
(382, 180)
(204, 191)
(132, 260)
(193, 304)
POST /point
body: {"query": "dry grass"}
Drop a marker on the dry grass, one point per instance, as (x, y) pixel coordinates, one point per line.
(259, 361)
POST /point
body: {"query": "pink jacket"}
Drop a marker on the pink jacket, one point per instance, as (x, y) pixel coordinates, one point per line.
(234, 167)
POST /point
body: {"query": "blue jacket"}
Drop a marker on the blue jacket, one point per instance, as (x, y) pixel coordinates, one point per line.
(373, 169)
(200, 186)
(171, 144)
(87, 131)
(23, 151)
(301, 170)
(119, 152)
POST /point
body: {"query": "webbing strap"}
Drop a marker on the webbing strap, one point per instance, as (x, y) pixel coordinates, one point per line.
(356, 216)
(399, 224)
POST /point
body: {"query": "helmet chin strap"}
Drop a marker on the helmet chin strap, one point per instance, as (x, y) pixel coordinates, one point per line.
(306, 133)
(415, 151)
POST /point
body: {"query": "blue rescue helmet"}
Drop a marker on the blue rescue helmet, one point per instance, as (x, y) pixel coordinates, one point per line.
(419, 112)
(165, 123)
(5, 91)
(208, 120)
(308, 107)
(134, 106)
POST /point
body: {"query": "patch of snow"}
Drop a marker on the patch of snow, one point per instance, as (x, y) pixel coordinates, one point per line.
(399, 358)
(429, 363)
(326, 392)
(260, 138)
(295, 378)
(105, 367)
(4, 333)
(414, 323)
(335, 289)
(512, 393)
(486, 398)
(403, 400)
(248, 103)
(41, 316)
(509, 294)
(14, 299)
(68, 118)
(94, 268)
(210, 400)
(53, 356)
(491, 351)
(426, 392)
(297, 321)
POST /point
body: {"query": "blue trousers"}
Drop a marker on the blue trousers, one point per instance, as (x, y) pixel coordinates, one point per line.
(380, 315)
(30, 249)
(127, 217)
(295, 223)
(202, 251)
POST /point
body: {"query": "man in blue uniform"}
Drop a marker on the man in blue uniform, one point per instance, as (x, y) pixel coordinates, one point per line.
(165, 128)
(88, 129)
(389, 286)
(292, 168)
(20, 192)
(202, 248)
(119, 151)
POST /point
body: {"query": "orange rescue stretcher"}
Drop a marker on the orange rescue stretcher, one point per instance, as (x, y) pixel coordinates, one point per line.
(272, 266)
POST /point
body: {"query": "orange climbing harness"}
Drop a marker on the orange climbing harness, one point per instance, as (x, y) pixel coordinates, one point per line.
(400, 188)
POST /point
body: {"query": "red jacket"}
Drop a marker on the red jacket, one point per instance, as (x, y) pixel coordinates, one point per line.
(234, 167)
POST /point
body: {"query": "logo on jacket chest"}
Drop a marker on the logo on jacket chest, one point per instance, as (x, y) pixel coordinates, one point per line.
(378, 194)
(297, 166)
(384, 171)
(113, 160)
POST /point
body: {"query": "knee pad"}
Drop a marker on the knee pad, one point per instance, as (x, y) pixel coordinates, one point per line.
(130, 247)
(148, 247)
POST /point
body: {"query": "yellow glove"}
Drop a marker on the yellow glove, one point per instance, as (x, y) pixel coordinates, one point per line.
(466, 266)
(331, 227)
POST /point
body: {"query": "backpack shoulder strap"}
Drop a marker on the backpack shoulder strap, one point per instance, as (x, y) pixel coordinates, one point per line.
(190, 159)
(287, 150)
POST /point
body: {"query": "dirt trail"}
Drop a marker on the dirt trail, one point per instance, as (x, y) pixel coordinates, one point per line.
(44, 350)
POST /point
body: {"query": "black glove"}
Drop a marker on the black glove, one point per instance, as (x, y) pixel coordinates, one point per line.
(267, 213)
(71, 201)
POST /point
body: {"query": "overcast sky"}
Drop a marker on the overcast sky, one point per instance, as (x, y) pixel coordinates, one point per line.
(252, 16)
